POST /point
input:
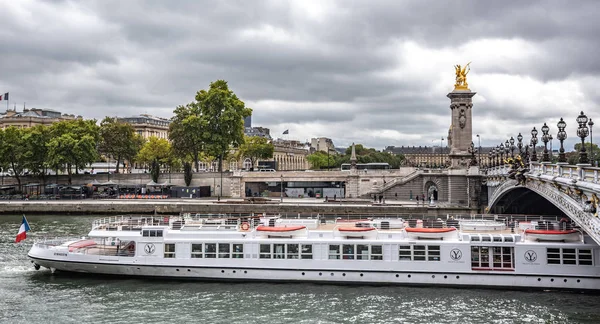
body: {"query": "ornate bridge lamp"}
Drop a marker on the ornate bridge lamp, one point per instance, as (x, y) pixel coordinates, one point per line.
(512, 147)
(591, 124)
(582, 132)
(562, 135)
(490, 159)
(501, 154)
(545, 139)
(493, 157)
(534, 142)
(472, 150)
(520, 144)
(506, 148)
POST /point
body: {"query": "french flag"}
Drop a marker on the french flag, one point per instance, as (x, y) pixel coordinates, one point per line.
(23, 230)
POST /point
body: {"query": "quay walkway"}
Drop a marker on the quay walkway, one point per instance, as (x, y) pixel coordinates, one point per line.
(225, 205)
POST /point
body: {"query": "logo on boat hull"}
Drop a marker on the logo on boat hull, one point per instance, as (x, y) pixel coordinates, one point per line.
(455, 254)
(149, 248)
(530, 256)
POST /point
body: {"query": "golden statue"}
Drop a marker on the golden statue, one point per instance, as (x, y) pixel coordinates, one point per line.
(461, 77)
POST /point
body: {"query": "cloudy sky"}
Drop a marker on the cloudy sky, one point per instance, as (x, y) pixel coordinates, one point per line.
(370, 72)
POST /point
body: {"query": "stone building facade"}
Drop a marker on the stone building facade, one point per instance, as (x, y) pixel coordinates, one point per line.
(33, 117)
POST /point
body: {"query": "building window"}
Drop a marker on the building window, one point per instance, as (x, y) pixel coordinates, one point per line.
(169, 250)
(197, 251)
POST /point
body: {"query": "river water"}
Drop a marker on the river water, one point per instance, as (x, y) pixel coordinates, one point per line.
(30, 296)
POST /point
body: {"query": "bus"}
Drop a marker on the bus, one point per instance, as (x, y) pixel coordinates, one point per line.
(366, 166)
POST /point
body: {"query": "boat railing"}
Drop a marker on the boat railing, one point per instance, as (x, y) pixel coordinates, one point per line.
(111, 223)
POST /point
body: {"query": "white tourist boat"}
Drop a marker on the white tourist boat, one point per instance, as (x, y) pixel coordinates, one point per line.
(251, 249)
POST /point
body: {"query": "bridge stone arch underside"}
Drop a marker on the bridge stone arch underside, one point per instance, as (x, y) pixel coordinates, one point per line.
(572, 202)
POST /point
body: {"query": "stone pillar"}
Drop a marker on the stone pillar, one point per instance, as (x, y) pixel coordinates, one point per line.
(461, 129)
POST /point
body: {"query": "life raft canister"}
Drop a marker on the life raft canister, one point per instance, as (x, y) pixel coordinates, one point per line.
(245, 226)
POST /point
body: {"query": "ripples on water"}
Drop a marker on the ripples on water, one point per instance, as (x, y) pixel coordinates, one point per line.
(29, 296)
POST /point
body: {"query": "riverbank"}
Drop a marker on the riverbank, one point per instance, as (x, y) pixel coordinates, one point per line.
(226, 206)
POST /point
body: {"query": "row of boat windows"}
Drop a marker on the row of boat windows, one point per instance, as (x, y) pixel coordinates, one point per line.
(569, 256)
(152, 233)
(492, 257)
(419, 253)
(355, 252)
(494, 238)
(481, 256)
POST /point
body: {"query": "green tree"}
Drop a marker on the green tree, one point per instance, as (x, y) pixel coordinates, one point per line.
(156, 152)
(185, 132)
(14, 152)
(36, 141)
(222, 116)
(592, 152)
(256, 148)
(73, 144)
(319, 160)
(119, 140)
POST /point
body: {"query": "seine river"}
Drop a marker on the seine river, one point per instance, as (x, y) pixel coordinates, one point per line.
(29, 296)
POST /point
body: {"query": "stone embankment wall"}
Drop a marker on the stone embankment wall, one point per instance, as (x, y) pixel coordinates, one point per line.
(193, 206)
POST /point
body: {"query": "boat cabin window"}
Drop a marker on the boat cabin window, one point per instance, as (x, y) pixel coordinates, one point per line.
(279, 251)
(306, 252)
(334, 251)
(152, 233)
(376, 252)
(238, 251)
(293, 251)
(265, 251)
(492, 257)
(475, 239)
(197, 250)
(569, 256)
(210, 250)
(419, 253)
(224, 251)
(169, 250)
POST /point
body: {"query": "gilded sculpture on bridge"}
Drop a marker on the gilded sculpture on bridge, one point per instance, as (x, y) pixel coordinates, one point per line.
(517, 169)
(461, 76)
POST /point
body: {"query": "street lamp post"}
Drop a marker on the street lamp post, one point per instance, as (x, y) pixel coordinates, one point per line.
(545, 139)
(441, 152)
(550, 139)
(534, 142)
(582, 132)
(479, 149)
(512, 147)
(520, 144)
(490, 155)
(561, 135)
(506, 148)
(591, 124)
(281, 189)
(501, 154)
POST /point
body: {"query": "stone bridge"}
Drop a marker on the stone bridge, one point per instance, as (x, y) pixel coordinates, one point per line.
(548, 189)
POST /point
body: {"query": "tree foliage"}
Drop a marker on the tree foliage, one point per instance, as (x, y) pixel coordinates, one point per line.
(185, 133)
(222, 116)
(256, 148)
(36, 141)
(156, 152)
(13, 151)
(73, 144)
(318, 160)
(118, 140)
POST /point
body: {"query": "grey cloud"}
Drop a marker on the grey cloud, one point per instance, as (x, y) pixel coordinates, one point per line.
(150, 56)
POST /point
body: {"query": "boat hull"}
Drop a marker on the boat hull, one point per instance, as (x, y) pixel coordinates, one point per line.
(332, 276)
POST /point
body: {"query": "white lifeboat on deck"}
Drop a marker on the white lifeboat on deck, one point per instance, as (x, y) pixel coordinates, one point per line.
(553, 235)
